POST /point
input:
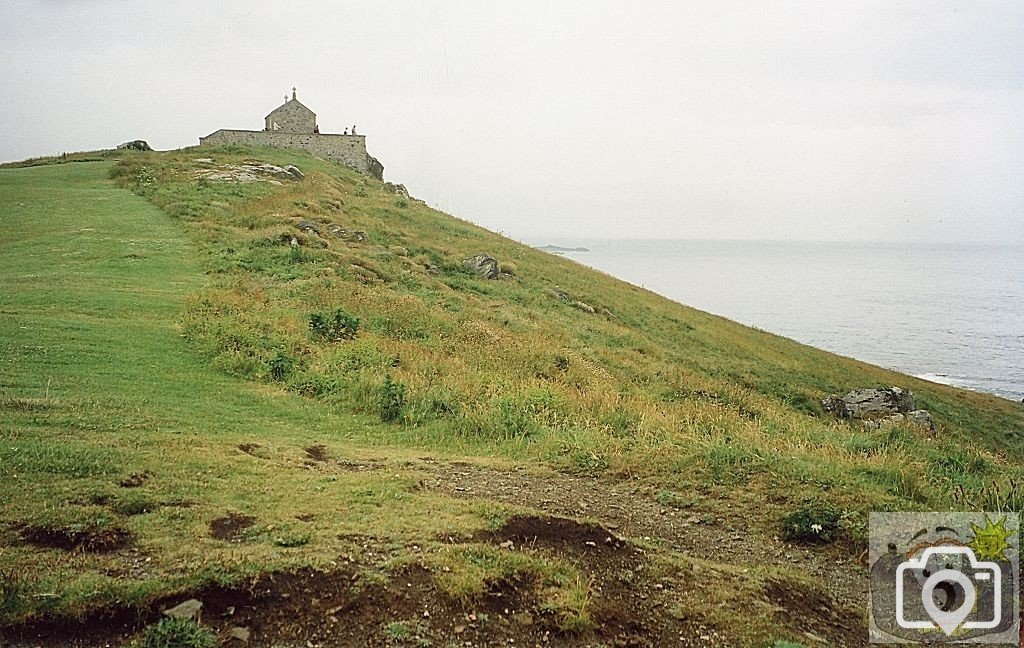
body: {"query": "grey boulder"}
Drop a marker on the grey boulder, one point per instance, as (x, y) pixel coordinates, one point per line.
(482, 265)
(870, 403)
(135, 145)
(878, 406)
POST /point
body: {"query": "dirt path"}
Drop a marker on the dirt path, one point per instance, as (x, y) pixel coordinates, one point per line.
(632, 512)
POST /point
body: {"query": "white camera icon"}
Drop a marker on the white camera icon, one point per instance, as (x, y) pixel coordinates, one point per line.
(950, 620)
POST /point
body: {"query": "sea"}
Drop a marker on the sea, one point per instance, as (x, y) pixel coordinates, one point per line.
(951, 314)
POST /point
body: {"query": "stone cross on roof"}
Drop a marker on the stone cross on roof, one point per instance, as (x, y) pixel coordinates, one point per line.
(293, 92)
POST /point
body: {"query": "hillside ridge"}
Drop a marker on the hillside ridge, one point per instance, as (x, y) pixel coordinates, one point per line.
(293, 385)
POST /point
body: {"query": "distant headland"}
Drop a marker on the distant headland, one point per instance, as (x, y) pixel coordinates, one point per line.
(558, 249)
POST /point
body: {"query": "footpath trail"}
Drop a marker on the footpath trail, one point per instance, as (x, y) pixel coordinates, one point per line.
(635, 513)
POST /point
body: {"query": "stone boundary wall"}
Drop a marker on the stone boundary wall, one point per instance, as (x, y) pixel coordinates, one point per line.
(350, 150)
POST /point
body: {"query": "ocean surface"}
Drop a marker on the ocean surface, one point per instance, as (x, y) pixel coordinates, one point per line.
(952, 314)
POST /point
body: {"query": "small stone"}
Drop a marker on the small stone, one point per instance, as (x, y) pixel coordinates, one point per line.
(508, 544)
(239, 633)
(187, 610)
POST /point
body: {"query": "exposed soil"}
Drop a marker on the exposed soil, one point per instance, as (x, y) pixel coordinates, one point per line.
(317, 452)
(634, 513)
(633, 600)
(93, 539)
(231, 526)
(249, 448)
(810, 612)
(337, 608)
(557, 533)
(134, 480)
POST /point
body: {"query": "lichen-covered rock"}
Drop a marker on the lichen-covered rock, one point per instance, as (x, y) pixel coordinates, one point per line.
(308, 227)
(922, 418)
(352, 236)
(294, 172)
(135, 145)
(251, 172)
(870, 403)
(559, 294)
(482, 265)
(879, 406)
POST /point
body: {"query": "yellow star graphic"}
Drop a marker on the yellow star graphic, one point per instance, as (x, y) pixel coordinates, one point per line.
(989, 542)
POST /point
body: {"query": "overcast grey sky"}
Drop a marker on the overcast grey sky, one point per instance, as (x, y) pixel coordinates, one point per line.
(711, 119)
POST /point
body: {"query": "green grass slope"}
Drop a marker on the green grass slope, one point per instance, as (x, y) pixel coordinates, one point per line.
(170, 360)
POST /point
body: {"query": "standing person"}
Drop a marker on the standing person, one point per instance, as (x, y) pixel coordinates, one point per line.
(353, 129)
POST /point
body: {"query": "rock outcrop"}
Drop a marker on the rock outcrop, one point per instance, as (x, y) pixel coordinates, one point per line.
(135, 145)
(397, 189)
(877, 406)
(250, 173)
(374, 167)
(352, 236)
(482, 265)
(563, 296)
(319, 233)
(308, 227)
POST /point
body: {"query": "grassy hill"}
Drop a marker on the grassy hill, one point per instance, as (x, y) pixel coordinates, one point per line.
(346, 438)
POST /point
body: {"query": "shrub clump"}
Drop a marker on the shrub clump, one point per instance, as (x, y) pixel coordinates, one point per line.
(392, 400)
(281, 366)
(811, 525)
(335, 326)
(177, 633)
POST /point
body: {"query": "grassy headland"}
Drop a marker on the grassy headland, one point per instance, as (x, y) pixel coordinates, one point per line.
(196, 393)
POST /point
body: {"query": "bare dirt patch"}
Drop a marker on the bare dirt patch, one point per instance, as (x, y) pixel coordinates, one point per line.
(806, 610)
(231, 526)
(94, 539)
(313, 608)
(317, 452)
(249, 448)
(557, 533)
